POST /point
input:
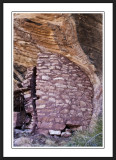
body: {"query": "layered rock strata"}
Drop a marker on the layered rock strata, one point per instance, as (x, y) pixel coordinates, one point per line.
(89, 31)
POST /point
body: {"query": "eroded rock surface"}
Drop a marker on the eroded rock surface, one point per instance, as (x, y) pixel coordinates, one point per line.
(89, 31)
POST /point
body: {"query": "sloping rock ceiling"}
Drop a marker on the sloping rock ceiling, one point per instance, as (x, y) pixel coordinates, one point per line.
(89, 32)
(75, 37)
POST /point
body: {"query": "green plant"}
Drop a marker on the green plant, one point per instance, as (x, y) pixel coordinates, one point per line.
(86, 138)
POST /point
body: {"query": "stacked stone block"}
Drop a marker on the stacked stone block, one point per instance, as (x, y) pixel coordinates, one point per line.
(65, 93)
(27, 96)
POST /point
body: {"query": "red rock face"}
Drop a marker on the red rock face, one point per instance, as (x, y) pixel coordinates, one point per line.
(65, 94)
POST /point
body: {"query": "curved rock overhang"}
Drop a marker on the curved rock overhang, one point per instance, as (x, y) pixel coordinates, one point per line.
(54, 33)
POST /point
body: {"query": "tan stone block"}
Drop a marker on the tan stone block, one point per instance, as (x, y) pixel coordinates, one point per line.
(64, 111)
(52, 99)
(45, 70)
(74, 106)
(46, 125)
(53, 114)
(58, 120)
(45, 77)
(31, 106)
(72, 112)
(38, 92)
(40, 114)
(65, 134)
(80, 114)
(60, 85)
(89, 109)
(42, 132)
(90, 88)
(82, 104)
(58, 78)
(44, 97)
(27, 95)
(48, 119)
(53, 132)
(59, 126)
(59, 102)
(41, 106)
(67, 101)
(52, 67)
(40, 102)
(83, 109)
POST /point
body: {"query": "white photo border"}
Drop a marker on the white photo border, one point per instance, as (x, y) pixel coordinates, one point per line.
(9, 9)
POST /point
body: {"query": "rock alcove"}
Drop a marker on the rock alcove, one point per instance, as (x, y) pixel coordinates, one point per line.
(55, 82)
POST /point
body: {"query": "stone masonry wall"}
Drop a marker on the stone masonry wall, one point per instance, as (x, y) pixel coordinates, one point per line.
(28, 96)
(65, 94)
